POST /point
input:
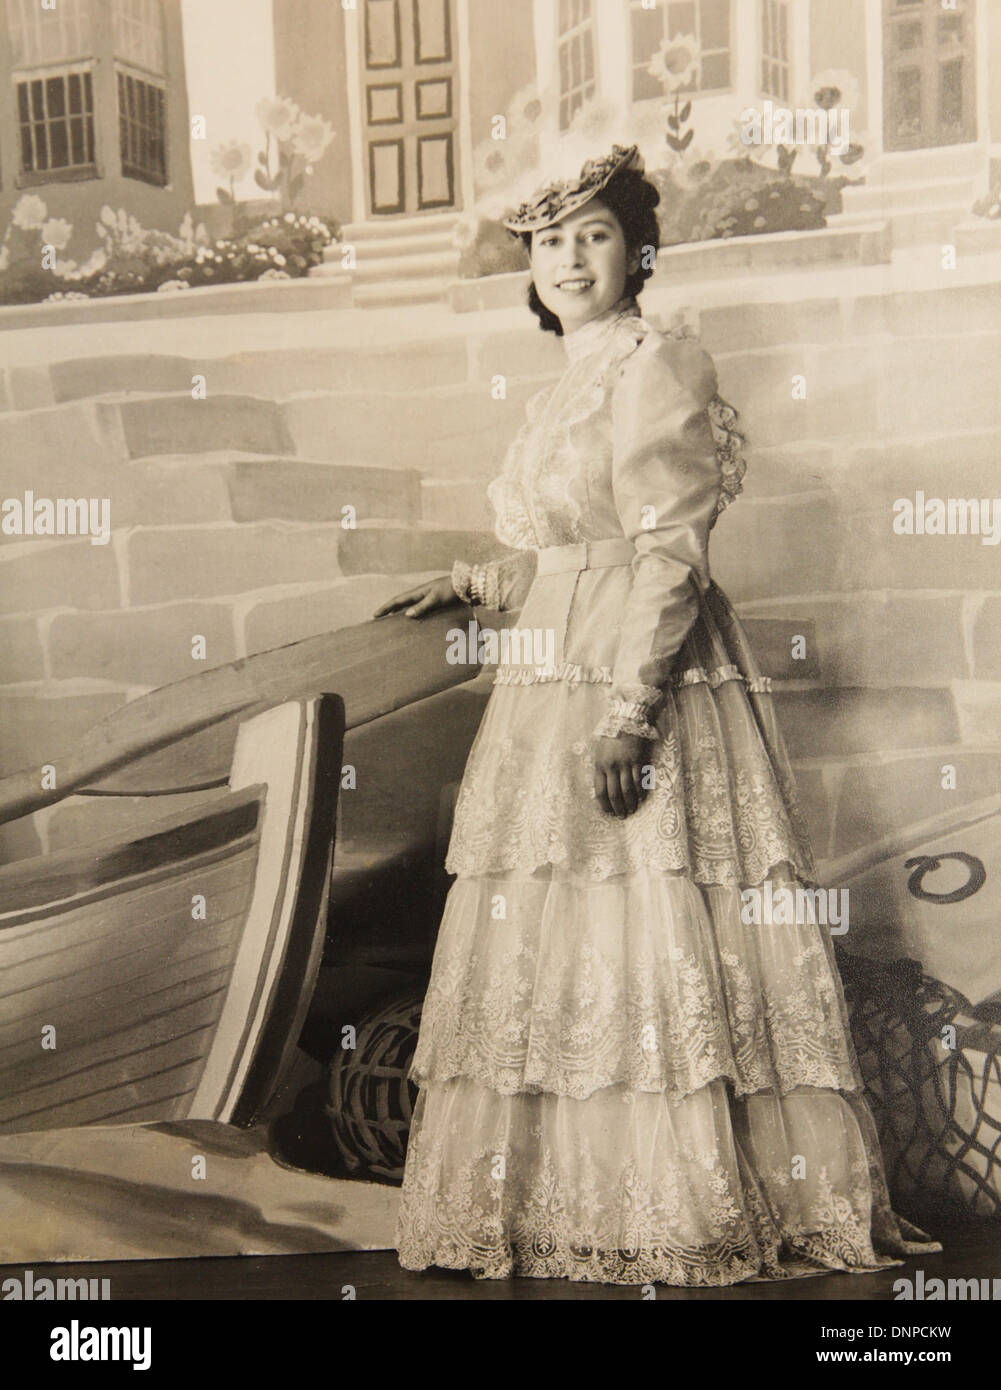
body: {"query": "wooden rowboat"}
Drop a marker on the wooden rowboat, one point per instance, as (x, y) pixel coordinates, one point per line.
(165, 974)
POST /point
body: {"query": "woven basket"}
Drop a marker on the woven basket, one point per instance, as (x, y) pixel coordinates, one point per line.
(371, 1101)
(932, 1070)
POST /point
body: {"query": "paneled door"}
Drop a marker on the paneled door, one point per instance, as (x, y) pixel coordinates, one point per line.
(409, 96)
(929, 79)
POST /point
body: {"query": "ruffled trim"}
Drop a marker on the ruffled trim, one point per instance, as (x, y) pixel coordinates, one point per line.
(729, 442)
(695, 675)
(476, 584)
(572, 672)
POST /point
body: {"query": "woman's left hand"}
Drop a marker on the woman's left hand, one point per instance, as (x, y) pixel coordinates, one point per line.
(618, 773)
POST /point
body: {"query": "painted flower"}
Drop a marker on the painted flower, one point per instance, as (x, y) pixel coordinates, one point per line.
(274, 274)
(676, 62)
(108, 216)
(278, 116)
(95, 262)
(231, 160)
(56, 232)
(170, 286)
(29, 213)
(835, 87)
(311, 137)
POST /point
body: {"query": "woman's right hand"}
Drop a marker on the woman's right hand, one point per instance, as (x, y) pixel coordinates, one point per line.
(423, 598)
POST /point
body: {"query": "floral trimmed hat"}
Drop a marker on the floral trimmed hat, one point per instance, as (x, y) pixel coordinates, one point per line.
(561, 196)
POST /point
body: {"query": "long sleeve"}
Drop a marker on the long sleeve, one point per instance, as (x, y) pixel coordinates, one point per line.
(500, 584)
(665, 484)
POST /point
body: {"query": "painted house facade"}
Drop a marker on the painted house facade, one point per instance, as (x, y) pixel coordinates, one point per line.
(94, 107)
(412, 86)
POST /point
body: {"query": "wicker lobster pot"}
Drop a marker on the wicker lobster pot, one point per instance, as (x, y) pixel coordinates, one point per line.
(932, 1070)
(371, 1100)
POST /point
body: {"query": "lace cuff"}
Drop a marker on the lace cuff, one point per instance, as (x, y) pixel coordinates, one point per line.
(476, 584)
(631, 711)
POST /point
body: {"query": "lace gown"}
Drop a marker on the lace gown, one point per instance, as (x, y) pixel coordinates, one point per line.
(620, 1081)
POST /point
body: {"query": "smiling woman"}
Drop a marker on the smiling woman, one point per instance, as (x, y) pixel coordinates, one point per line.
(620, 1076)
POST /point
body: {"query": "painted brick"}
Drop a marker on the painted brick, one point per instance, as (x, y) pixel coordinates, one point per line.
(939, 384)
(21, 649)
(734, 327)
(181, 425)
(80, 377)
(951, 309)
(31, 388)
(824, 723)
(398, 550)
(150, 646)
(987, 639)
(65, 451)
(36, 730)
(881, 797)
(55, 574)
(285, 489)
(209, 561)
(979, 706)
(428, 365)
(767, 549)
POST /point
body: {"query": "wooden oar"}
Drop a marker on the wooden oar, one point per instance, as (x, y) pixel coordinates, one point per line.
(181, 737)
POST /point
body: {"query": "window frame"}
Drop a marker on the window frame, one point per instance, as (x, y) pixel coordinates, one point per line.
(771, 59)
(125, 72)
(583, 30)
(70, 173)
(689, 93)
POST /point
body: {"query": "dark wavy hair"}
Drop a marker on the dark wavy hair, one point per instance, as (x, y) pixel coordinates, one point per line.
(633, 199)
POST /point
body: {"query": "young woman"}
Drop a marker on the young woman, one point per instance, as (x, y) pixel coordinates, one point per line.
(620, 1079)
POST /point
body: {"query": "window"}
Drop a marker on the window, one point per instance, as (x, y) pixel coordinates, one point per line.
(56, 122)
(576, 57)
(775, 49)
(138, 47)
(137, 27)
(40, 36)
(708, 20)
(142, 129)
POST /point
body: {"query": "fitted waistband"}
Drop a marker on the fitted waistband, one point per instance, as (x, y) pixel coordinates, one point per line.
(585, 555)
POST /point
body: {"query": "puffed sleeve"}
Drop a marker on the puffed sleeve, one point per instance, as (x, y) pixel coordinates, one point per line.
(501, 584)
(665, 483)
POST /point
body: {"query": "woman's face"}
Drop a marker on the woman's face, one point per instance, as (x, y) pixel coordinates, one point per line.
(580, 264)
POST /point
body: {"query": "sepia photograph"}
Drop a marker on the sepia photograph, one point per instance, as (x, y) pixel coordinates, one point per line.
(500, 644)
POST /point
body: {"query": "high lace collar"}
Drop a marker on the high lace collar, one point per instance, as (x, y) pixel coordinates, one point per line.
(593, 334)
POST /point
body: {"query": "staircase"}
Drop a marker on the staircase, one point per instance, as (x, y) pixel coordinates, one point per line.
(408, 260)
(923, 194)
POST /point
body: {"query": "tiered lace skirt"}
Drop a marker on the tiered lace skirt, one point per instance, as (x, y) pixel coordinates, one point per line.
(620, 1080)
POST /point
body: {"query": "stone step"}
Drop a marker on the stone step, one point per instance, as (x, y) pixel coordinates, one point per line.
(433, 265)
(977, 236)
(914, 226)
(382, 228)
(394, 294)
(276, 373)
(420, 243)
(943, 162)
(880, 199)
